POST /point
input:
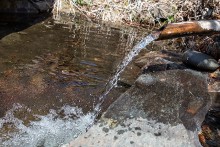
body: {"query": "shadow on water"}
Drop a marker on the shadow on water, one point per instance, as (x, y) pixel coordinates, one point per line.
(12, 22)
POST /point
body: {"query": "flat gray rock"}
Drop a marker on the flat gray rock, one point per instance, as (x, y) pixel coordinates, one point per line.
(170, 97)
(161, 109)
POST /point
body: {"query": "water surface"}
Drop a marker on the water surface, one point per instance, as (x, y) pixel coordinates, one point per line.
(51, 78)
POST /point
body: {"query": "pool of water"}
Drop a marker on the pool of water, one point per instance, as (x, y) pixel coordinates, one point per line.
(51, 78)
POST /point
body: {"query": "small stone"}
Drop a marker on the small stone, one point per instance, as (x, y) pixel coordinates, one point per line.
(157, 134)
(105, 130)
(137, 128)
(120, 132)
(145, 80)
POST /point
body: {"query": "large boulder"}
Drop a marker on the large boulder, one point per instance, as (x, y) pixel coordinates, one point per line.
(161, 109)
(170, 97)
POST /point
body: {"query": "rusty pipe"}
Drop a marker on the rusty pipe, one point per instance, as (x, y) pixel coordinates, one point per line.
(189, 28)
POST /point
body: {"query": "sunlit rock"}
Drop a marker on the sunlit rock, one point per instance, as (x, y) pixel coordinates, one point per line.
(137, 132)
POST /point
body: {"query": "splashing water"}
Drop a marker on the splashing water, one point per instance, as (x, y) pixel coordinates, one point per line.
(49, 131)
(134, 52)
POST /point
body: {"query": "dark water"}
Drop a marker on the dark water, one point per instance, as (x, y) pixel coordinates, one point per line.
(51, 76)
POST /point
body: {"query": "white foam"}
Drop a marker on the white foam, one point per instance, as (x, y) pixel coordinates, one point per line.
(50, 130)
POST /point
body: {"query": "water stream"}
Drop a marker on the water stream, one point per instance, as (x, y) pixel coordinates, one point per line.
(120, 68)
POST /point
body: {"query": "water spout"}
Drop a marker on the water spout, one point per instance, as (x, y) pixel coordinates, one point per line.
(128, 58)
(189, 28)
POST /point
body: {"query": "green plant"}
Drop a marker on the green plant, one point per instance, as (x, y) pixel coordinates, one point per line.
(82, 2)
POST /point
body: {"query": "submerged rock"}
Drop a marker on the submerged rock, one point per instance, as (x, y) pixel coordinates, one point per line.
(158, 61)
(158, 57)
(200, 60)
